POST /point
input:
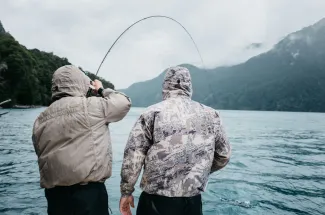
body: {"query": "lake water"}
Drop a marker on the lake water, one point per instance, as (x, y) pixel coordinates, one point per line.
(277, 165)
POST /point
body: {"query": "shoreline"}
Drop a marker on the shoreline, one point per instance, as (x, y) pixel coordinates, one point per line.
(22, 107)
(26, 106)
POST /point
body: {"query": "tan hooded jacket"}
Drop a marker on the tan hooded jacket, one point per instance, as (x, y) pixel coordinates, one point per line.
(71, 137)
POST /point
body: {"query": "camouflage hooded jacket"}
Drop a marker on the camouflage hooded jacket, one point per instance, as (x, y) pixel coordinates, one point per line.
(178, 141)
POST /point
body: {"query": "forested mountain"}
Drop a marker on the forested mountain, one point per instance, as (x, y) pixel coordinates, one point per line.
(289, 77)
(26, 74)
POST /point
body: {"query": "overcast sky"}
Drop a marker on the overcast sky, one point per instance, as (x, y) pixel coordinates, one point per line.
(83, 30)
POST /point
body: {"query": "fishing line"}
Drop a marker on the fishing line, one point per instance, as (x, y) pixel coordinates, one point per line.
(149, 17)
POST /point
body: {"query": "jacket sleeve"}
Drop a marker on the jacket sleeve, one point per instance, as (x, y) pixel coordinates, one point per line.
(222, 151)
(115, 104)
(139, 142)
(34, 138)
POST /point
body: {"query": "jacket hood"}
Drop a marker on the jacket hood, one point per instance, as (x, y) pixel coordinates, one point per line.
(177, 82)
(69, 81)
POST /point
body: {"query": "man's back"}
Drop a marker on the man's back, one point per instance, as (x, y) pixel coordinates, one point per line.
(70, 137)
(179, 161)
(178, 141)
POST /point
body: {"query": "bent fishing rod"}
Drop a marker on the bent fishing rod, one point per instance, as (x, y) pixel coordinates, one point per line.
(165, 17)
(145, 18)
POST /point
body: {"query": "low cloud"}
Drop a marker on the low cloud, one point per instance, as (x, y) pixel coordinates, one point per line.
(83, 30)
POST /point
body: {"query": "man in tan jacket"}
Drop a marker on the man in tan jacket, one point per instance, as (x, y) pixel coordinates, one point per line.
(72, 141)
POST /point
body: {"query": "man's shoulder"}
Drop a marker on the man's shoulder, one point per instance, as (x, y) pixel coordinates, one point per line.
(68, 104)
(205, 108)
(154, 108)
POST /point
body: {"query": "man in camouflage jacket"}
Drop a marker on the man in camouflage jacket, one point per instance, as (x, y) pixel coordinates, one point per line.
(179, 142)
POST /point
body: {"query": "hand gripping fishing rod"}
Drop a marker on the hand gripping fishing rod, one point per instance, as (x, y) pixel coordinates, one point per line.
(149, 17)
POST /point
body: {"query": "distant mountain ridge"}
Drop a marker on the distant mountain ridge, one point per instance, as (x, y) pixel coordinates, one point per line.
(289, 77)
(2, 30)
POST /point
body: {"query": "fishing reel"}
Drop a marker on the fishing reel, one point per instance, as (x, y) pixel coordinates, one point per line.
(93, 92)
